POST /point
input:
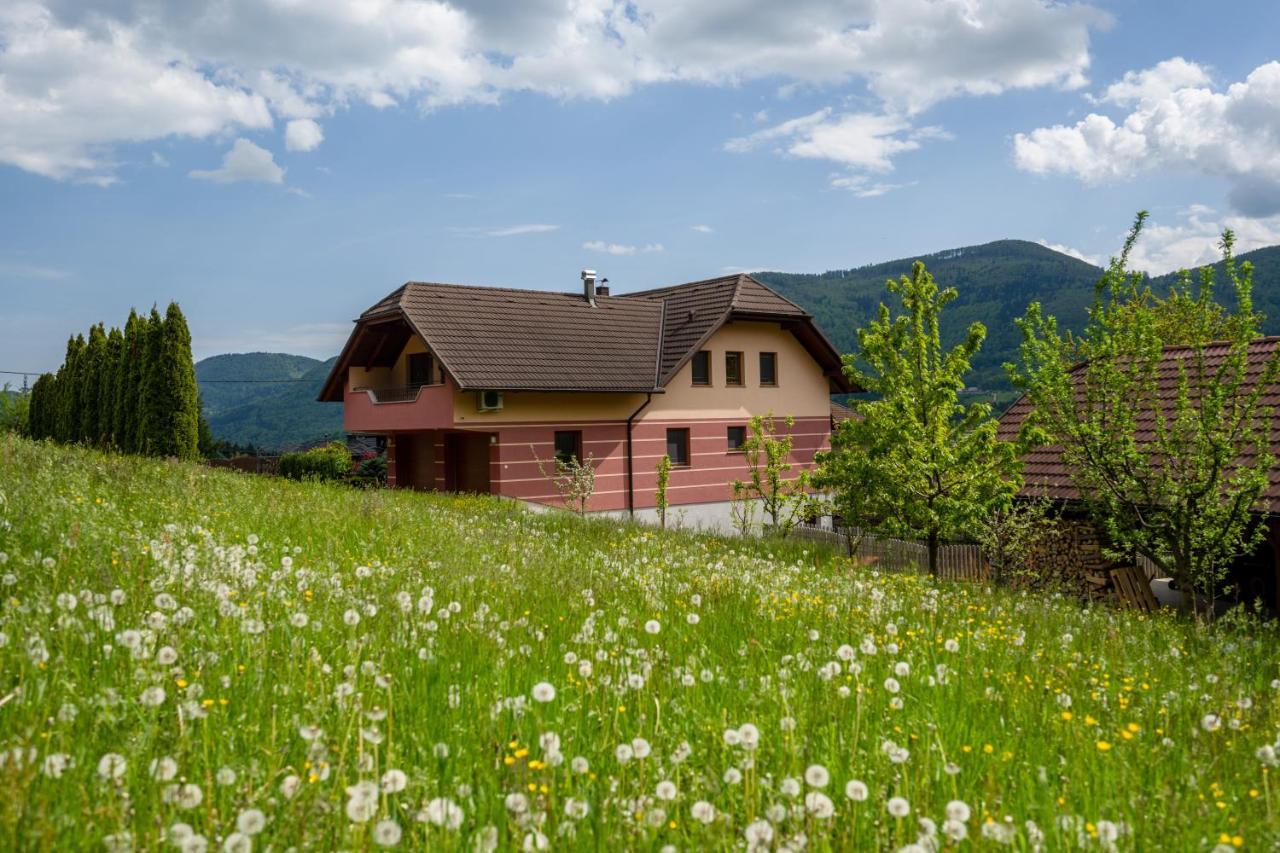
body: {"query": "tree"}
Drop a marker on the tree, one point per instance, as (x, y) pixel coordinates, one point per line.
(15, 410)
(1173, 469)
(660, 496)
(41, 407)
(783, 500)
(573, 479)
(108, 389)
(151, 392)
(69, 391)
(171, 404)
(1011, 535)
(915, 462)
(90, 381)
(129, 388)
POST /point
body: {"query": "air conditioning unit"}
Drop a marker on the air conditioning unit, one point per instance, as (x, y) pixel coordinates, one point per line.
(489, 401)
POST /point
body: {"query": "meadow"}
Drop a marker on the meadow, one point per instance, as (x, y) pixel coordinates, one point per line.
(194, 659)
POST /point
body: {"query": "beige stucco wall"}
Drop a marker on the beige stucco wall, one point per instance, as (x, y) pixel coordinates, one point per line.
(802, 390)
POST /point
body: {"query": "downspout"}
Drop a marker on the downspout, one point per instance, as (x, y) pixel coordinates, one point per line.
(631, 492)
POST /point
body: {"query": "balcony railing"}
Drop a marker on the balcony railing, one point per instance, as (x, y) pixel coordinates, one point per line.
(400, 394)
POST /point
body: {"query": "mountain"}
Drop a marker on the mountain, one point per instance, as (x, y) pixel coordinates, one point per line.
(267, 399)
(995, 282)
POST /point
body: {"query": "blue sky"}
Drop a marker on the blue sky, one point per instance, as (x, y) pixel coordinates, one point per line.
(276, 171)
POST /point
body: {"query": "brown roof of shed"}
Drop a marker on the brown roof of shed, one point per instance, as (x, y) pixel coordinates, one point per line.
(495, 338)
(1045, 473)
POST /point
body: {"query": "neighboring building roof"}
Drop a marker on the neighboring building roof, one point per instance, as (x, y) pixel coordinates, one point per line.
(491, 338)
(1045, 474)
(840, 413)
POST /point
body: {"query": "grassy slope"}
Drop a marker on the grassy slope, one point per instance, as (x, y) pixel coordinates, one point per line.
(442, 691)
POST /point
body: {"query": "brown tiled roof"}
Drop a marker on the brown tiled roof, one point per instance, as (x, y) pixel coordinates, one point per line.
(1047, 475)
(840, 412)
(697, 309)
(492, 338)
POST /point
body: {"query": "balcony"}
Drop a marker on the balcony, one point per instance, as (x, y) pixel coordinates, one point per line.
(398, 408)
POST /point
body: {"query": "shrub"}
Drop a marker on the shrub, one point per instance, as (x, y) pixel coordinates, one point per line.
(330, 462)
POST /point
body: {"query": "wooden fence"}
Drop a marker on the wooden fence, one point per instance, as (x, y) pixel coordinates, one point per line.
(956, 560)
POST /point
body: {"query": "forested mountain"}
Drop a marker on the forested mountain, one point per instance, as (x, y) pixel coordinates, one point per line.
(276, 408)
(995, 281)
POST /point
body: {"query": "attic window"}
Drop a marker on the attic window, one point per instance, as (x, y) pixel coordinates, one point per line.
(702, 368)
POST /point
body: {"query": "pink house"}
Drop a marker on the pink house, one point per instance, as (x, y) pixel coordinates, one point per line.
(473, 385)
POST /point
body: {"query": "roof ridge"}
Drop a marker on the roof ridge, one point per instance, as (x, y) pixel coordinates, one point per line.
(669, 287)
(760, 283)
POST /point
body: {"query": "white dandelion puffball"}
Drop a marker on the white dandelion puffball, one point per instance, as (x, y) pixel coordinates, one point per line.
(817, 776)
(819, 805)
(856, 790)
(394, 781)
(898, 807)
(112, 766)
(237, 842)
(444, 812)
(640, 748)
(164, 769)
(652, 626)
(543, 692)
(759, 834)
(958, 810)
(623, 753)
(386, 833)
(666, 790)
(251, 821)
(1211, 722)
(703, 812)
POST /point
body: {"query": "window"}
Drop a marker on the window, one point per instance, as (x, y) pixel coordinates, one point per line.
(737, 438)
(702, 367)
(678, 446)
(421, 369)
(733, 369)
(568, 445)
(768, 368)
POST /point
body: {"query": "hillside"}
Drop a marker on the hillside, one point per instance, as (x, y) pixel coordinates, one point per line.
(276, 409)
(296, 665)
(995, 281)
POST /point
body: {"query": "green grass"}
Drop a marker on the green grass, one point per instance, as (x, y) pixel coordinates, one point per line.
(189, 585)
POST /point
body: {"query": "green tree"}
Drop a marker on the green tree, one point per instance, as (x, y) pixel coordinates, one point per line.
(108, 387)
(784, 500)
(170, 405)
(69, 391)
(129, 387)
(90, 381)
(915, 462)
(39, 416)
(15, 410)
(1171, 468)
(660, 496)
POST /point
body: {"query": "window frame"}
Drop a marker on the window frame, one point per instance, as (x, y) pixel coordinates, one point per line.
(576, 437)
(685, 440)
(742, 369)
(418, 358)
(740, 447)
(774, 358)
(705, 355)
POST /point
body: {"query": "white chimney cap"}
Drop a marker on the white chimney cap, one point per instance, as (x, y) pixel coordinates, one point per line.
(588, 274)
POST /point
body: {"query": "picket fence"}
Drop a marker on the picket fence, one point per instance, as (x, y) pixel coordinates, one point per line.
(956, 560)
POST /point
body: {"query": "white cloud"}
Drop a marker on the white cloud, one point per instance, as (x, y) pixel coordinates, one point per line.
(1192, 240)
(621, 248)
(302, 134)
(79, 77)
(702, 229)
(244, 162)
(859, 142)
(1075, 253)
(159, 160)
(516, 230)
(1177, 121)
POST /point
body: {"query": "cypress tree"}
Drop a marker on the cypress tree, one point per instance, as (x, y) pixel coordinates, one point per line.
(110, 387)
(90, 380)
(68, 429)
(151, 417)
(173, 407)
(128, 385)
(38, 419)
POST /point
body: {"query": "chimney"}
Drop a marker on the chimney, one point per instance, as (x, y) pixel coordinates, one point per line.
(589, 285)
(602, 289)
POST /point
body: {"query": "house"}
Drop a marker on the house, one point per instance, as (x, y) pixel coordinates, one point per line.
(473, 387)
(1078, 549)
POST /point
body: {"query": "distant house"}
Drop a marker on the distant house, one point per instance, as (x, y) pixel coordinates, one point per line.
(472, 386)
(1079, 549)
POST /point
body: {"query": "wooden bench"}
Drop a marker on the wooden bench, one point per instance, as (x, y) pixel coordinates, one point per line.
(1133, 588)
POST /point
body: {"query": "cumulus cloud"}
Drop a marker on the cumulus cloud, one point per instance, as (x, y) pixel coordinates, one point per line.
(80, 77)
(1067, 250)
(1176, 120)
(302, 134)
(244, 162)
(859, 142)
(1191, 240)
(621, 248)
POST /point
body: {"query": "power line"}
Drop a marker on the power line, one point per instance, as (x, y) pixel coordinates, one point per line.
(201, 381)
